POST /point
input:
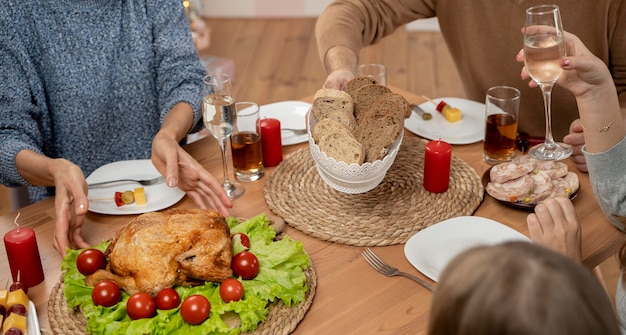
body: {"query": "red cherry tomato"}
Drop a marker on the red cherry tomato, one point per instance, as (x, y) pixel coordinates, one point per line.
(231, 290)
(167, 298)
(246, 265)
(106, 293)
(90, 261)
(118, 199)
(245, 241)
(195, 309)
(141, 305)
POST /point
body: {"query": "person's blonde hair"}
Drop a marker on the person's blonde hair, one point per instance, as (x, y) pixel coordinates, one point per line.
(519, 288)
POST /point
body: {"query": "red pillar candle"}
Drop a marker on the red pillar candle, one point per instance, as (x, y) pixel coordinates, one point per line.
(23, 255)
(437, 157)
(270, 141)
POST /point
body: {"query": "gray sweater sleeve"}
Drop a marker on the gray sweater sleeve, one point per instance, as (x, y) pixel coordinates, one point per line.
(607, 172)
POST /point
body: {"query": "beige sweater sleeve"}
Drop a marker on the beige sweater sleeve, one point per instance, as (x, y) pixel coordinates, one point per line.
(355, 24)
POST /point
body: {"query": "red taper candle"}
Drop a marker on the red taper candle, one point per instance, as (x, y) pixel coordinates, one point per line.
(437, 158)
(270, 141)
(23, 255)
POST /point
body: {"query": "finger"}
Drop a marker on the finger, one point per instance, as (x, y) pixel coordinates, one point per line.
(543, 216)
(534, 227)
(61, 229)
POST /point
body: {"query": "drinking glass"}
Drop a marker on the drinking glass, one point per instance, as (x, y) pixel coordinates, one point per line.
(219, 116)
(245, 143)
(543, 49)
(377, 72)
(501, 118)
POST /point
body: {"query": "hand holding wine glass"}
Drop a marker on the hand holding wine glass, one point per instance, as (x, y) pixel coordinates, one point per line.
(543, 49)
(220, 117)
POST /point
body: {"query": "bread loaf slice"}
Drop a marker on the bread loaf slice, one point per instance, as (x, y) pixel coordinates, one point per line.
(389, 101)
(343, 147)
(357, 83)
(366, 95)
(377, 132)
(325, 127)
(334, 104)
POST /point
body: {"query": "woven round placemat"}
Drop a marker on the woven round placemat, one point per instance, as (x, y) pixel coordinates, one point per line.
(281, 320)
(388, 214)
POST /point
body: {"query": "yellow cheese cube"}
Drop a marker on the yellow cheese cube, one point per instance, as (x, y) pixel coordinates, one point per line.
(452, 114)
(140, 196)
(4, 294)
(17, 297)
(14, 321)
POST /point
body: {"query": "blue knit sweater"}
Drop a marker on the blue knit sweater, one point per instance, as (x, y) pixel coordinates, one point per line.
(91, 80)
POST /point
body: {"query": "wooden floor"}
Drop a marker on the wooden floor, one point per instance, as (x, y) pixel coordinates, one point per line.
(277, 60)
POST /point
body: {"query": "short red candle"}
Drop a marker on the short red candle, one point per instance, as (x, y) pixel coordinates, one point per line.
(23, 255)
(437, 157)
(270, 141)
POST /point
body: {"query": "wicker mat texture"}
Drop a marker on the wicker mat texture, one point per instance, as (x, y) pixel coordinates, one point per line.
(281, 320)
(388, 214)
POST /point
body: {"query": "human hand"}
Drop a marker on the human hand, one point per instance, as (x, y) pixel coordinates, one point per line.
(183, 171)
(71, 205)
(554, 225)
(576, 140)
(338, 79)
(584, 71)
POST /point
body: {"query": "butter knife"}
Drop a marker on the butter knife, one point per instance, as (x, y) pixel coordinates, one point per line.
(420, 112)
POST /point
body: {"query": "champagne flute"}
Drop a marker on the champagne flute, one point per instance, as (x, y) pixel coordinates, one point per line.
(219, 116)
(543, 49)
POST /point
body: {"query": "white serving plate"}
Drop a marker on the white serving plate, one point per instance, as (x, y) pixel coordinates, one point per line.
(470, 129)
(432, 248)
(292, 115)
(158, 196)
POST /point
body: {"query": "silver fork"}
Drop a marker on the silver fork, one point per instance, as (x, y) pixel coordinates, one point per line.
(388, 270)
(143, 182)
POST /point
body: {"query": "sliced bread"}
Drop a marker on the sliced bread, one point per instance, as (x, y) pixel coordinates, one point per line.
(357, 83)
(343, 147)
(325, 127)
(377, 133)
(366, 95)
(389, 101)
(334, 104)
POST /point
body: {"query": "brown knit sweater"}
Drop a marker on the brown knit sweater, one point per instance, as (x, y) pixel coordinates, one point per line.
(483, 37)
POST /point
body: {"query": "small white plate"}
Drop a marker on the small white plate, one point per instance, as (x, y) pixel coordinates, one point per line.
(432, 248)
(158, 196)
(292, 115)
(32, 322)
(470, 129)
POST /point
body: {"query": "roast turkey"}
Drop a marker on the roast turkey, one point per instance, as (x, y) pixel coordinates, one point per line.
(164, 249)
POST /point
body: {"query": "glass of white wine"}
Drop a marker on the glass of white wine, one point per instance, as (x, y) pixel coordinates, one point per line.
(220, 117)
(543, 50)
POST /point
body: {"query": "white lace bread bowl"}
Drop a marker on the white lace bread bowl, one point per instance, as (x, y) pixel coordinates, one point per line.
(351, 178)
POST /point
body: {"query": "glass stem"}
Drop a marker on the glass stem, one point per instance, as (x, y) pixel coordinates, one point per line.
(224, 165)
(546, 89)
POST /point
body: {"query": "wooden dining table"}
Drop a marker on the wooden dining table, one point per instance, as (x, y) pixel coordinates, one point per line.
(351, 297)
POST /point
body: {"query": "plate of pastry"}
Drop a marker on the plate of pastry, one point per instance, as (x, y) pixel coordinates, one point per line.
(292, 117)
(432, 248)
(102, 198)
(469, 129)
(525, 182)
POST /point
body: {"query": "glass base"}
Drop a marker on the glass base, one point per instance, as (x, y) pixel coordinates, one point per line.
(491, 160)
(555, 152)
(233, 189)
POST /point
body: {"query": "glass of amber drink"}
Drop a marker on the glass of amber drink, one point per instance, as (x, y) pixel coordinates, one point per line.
(245, 143)
(501, 116)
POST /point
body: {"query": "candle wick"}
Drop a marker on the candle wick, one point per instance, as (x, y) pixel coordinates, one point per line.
(15, 221)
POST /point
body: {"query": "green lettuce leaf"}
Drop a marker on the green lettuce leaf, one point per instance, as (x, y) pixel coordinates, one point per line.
(281, 276)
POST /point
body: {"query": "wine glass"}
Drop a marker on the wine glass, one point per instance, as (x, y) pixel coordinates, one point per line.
(543, 49)
(219, 116)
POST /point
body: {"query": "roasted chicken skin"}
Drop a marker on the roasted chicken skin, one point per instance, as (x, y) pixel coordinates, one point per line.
(163, 249)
